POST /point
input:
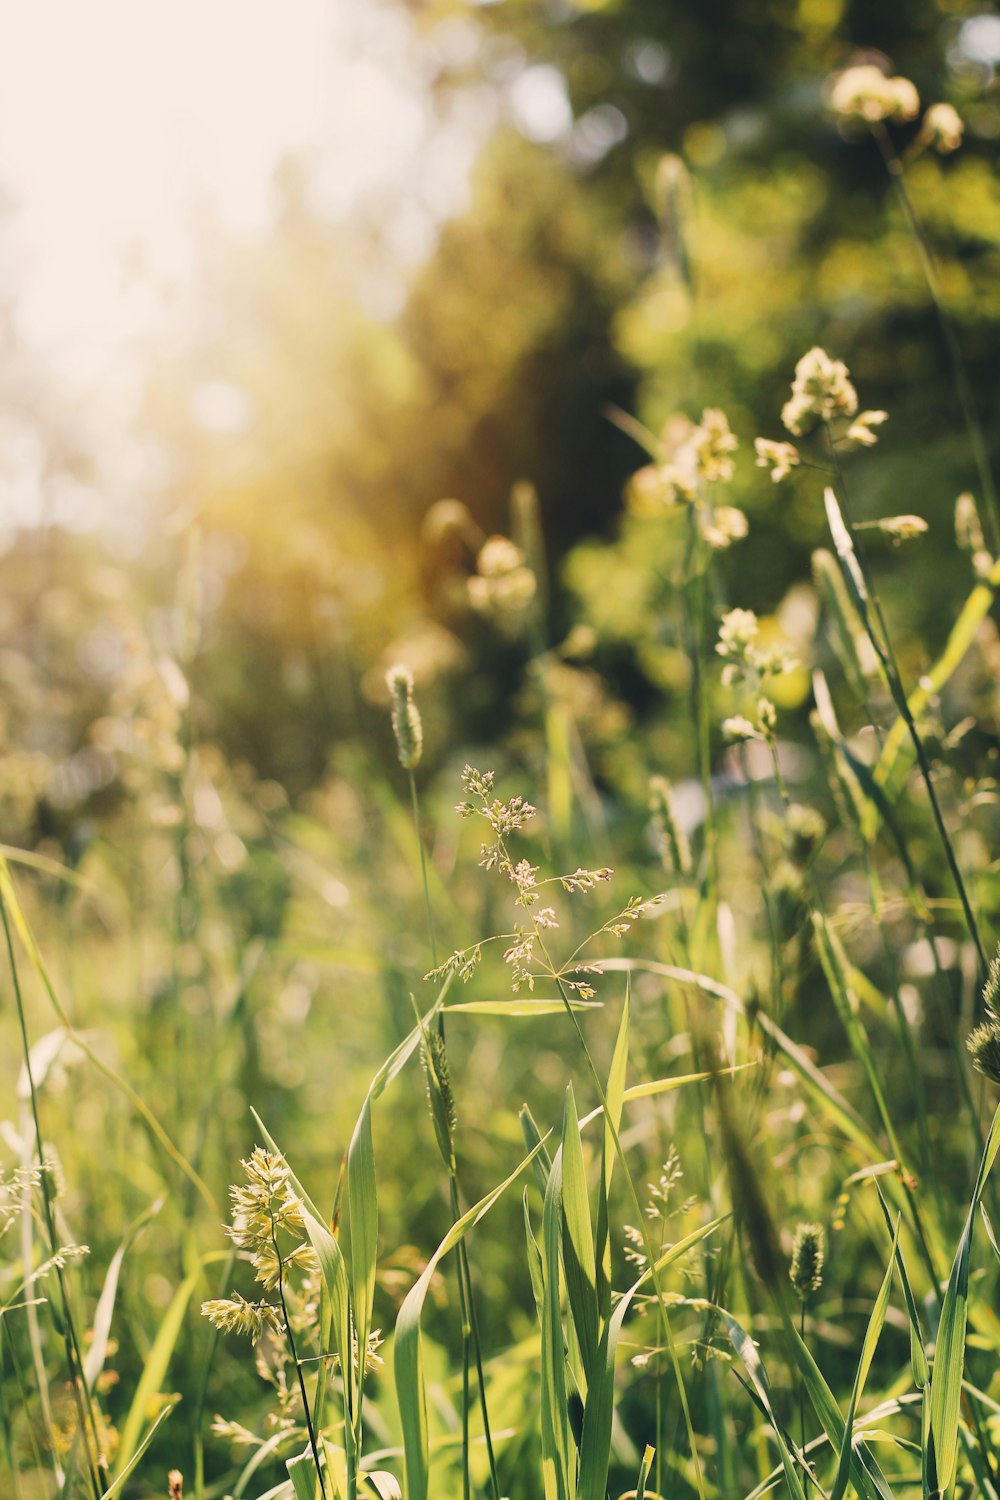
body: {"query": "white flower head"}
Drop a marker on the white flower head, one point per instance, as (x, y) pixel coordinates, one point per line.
(821, 390)
(943, 128)
(866, 93)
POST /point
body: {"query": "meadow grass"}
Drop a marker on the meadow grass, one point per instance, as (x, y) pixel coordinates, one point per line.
(696, 1143)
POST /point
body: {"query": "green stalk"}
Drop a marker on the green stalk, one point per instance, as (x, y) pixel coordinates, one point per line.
(887, 658)
(298, 1365)
(471, 1342)
(98, 1474)
(648, 1249)
(963, 387)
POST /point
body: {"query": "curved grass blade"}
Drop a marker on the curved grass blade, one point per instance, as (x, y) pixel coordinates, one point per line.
(875, 1325)
(558, 1454)
(949, 1350)
(749, 1356)
(595, 1444)
(579, 1261)
(407, 1354)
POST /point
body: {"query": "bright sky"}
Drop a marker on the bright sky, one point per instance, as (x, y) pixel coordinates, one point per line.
(120, 118)
(117, 116)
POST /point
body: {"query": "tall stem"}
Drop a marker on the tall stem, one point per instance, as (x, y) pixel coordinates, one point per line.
(98, 1474)
(298, 1367)
(882, 645)
(963, 386)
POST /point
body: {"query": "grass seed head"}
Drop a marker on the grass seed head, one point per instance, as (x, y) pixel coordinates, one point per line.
(407, 725)
(808, 1252)
(984, 1044)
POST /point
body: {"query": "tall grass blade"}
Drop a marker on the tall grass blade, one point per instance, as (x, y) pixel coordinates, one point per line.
(949, 1350)
(407, 1354)
(558, 1452)
(578, 1238)
(875, 1325)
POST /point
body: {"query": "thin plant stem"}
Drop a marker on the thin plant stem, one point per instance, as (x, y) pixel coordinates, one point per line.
(963, 386)
(295, 1360)
(887, 658)
(471, 1342)
(99, 1476)
(637, 1209)
(415, 801)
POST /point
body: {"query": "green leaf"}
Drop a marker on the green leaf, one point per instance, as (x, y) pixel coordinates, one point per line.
(156, 1365)
(558, 1456)
(918, 1358)
(866, 1476)
(362, 1198)
(949, 1350)
(875, 1325)
(407, 1353)
(598, 1414)
(749, 1356)
(615, 1097)
(124, 1472)
(578, 1238)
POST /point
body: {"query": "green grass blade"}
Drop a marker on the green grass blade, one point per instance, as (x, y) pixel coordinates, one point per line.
(875, 1325)
(558, 1456)
(897, 746)
(157, 1362)
(148, 1436)
(615, 1095)
(949, 1349)
(866, 1476)
(578, 1238)
(362, 1198)
(644, 1472)
(749, 1356)
(93, 1362)
(919, 1368)
(407, 1354)
(595, 1444)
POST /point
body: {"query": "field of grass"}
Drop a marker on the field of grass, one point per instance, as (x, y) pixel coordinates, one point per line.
(603, 1109)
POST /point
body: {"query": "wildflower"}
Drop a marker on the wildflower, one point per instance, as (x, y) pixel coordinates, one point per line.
(780, 458)
(866, 93)
(737, 634)
(767, 715)
(406, 722)
(724, 526)
(902, 528)
(674, 849)
(175, 1485)
(860, 430)
(585, 880)
(943, 128)
(739, 728)
(503, 584)
(448, 518)
(808, 1252)
(821, 390)
(651, 490)
(712, 443)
